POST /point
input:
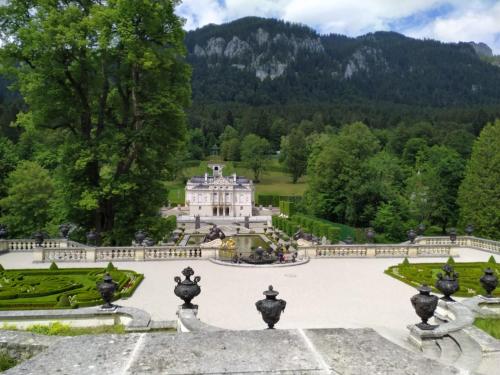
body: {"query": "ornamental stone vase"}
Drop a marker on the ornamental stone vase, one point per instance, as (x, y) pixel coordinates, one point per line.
(92, 238)
(412, 235)
(140, 236)
(270, 307)
(453, 235)
(489, 281)
(38, 237)
(424, 304)
(64, 230)
(370, 235)
(348, 240)
(3, 232)
(447, 284)
(148, 241)
(421, 229)
(187, 289)
(469, 229)
(107, 289)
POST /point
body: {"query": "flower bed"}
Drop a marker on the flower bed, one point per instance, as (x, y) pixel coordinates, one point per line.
(37, 289)
(416, 274)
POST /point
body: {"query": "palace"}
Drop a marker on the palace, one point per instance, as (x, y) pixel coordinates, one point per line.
(219, 195)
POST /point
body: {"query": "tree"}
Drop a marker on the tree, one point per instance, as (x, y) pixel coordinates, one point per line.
(479, 194)
(255, 152)
(110, 79)
(27, 204)
(294, 153)
(8, 161)
(230, 149)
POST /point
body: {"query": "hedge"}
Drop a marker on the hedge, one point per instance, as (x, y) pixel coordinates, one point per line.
(274, 200)
(318, 228)
(43, 289)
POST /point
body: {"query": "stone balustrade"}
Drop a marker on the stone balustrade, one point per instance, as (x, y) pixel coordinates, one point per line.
(462, 241)
(62, 250)
(376, 250)
(20, 245)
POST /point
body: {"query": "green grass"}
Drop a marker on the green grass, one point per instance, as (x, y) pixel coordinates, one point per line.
(274, 180)
(416, 274)
(6, 361)
(31, 289)
(489, 325)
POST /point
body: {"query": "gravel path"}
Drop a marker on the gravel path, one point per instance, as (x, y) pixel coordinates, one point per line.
(350, 293)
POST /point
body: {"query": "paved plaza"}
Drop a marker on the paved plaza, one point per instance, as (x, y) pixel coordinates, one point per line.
(324, 293)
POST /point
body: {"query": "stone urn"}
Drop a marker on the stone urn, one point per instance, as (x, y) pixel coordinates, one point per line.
(270, 307)
(107, 289)
(148, 241)
(421, 229)
(447, 284)
(140, 236)
(3, 232)
(489, 281)
(469, 229)
(424, 304)
(237, 230)
(92, 238)
(453, 235)
(348, 240)
(64, 230)
(38, 237)
(370, 235)
(187, 289)
(412, 235)
(259, 251)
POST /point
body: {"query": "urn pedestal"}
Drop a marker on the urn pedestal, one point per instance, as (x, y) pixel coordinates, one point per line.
(489, 281)
(270, 307)
(187, 289)
(425, 305)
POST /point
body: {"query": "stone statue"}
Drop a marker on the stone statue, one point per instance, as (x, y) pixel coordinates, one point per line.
(301, 235)
(214, 234)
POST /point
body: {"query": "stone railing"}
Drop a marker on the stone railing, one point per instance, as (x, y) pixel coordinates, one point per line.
(375, 250)
(16, 245)
(462, 241)
(123, 253)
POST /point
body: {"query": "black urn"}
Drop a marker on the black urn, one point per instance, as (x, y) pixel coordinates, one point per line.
(421, 229)
(411, 236)
(148, 241)
(270, 307)
(3, 232)
(424, 304)
(469, 229)
(187, 289)
(370, 235)
(107, 289)
(92, 238)
(259, 251)
(38, 237)
(489, 281)
(447, 284)
(140, 236)
(453, 235)
(64, 230)
(348, 240)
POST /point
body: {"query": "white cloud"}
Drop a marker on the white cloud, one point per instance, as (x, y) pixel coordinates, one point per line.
(464, 20)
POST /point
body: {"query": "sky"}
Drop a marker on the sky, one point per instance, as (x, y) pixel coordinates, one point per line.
(444, 20)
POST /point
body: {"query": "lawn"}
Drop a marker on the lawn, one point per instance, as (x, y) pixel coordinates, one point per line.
(469, 274)
(490, 326)
(273, 181)
(32, 289)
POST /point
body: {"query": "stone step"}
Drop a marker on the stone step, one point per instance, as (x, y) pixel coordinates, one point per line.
(450, 351)
(431, 349)
(471, 356)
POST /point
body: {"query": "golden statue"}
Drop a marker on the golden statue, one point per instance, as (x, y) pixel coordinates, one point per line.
(228, 248)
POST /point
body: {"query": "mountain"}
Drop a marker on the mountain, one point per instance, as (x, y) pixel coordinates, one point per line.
(260, 61)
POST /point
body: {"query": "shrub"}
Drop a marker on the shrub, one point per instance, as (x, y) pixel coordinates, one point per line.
(1, 268)
(53, 266)
(450, 260)
(6, 361)
(110, 267)
(492, 260)
(63, 301)
(405, 262)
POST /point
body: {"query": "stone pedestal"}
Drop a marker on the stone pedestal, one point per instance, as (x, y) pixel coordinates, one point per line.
(38, 255)
(4, 245)
(90, 254)
(412, 252)
(139, 253)
(371, 252)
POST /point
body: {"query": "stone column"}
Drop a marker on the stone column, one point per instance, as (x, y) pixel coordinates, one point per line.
(371, 252)
(412, 251)
(38, 255)
(4, 245)
(90, 254)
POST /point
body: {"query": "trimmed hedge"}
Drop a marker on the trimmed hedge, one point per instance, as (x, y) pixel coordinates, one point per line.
(319, 228)
(274, 200)
(416, 274)
(33, 289)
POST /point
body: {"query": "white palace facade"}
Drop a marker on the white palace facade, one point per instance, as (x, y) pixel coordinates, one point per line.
(219, 195)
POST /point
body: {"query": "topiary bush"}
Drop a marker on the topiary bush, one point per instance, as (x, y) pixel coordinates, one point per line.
(53, 266)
